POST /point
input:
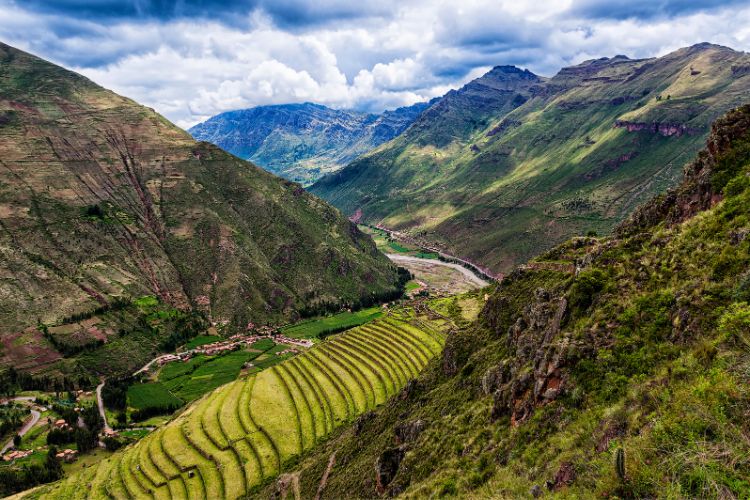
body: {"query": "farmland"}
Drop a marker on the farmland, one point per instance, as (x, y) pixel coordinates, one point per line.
(318, 327)
(179, 382)
(153, 394)
(233, 438)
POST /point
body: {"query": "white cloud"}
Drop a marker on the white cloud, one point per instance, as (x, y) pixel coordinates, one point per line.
(190, 69)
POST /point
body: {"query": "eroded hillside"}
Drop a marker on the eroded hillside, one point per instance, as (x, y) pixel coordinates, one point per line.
(103, 201)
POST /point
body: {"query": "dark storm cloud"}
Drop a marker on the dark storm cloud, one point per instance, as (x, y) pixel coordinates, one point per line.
(285, 13)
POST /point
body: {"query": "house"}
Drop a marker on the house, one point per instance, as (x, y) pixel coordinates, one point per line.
(16, 454)
(67, 455)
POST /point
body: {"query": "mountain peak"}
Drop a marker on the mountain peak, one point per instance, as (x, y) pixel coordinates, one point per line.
(509, 71)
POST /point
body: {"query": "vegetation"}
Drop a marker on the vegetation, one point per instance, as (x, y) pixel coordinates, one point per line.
(511, 165)
(322, 327)
(609, 367)
(79, 259)
(247, 431)
(150, 395)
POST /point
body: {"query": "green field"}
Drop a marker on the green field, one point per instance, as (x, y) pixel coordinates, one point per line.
(202, 340)
(262, 344)
(315, 328)
(151, 395)
(180, 382)
(242, 434)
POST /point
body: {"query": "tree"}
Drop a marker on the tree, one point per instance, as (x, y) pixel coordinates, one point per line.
(17, 440)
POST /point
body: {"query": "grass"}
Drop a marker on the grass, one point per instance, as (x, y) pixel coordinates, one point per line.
(262, 344)
(315, 328)
(237, 435)
(152, 394)
(202, 340)
(210, 375)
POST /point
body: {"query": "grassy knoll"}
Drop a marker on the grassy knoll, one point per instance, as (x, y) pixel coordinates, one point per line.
(319, 327)
(232, 439)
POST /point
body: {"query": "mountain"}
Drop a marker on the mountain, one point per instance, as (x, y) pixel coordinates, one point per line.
(614, 367)
(512, 164)
(103, 201)
(303, 141)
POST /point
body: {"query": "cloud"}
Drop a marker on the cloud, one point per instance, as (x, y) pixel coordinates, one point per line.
(191, 59)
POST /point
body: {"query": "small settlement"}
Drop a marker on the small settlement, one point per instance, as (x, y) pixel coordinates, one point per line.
(235, 342)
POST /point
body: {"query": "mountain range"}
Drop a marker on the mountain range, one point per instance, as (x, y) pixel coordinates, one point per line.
(302, 142)
(103, 201)
(513, 163)
(614, 367)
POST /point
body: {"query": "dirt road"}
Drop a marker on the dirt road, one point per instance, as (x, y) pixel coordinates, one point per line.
(100, 404)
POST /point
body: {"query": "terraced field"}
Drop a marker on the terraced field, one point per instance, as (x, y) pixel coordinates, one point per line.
(244, 432)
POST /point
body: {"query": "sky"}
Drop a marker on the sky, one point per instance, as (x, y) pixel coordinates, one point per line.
(192, 59)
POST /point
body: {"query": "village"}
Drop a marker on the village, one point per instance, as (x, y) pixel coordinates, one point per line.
(234, 342)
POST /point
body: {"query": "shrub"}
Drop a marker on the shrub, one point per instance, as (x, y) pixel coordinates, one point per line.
(584, 289)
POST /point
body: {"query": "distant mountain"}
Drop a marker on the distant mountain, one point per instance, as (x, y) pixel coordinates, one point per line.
(103, 201)
(301, 142)
(512, 163)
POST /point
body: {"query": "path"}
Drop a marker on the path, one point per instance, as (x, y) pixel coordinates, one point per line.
(147, 366)
(466, 272)
(26, 426)
(100, 404)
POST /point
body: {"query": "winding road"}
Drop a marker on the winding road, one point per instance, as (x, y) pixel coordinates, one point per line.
(100, 404)
(466, 272)
(35, 415)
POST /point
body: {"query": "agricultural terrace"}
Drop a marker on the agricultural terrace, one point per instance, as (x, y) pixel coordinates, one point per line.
(235, 437)
(321, 327)
(184, 380)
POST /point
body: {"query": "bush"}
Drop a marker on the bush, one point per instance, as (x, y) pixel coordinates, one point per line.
(584, 289)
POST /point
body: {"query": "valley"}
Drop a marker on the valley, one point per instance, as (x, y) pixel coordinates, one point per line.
(526, 287)
(513, 163)
(303, 142)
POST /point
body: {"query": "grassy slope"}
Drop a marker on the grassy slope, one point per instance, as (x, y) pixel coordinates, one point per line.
(234, 438)
(174, 218)
(646, 349)
(506, 187)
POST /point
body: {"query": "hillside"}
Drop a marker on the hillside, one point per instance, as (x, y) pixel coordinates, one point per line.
(512, 164)
(304, 141)
(103, 201)
(248, 431)
(607, 367)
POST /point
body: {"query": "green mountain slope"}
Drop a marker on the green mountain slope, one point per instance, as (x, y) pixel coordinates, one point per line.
(103, 199)
(497, 183)
(248, 431)
(612, 367)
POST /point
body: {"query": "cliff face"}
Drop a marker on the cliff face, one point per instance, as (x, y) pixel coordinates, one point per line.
(513, 164)
(102, 199)
(629, 350)
(302, 142)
